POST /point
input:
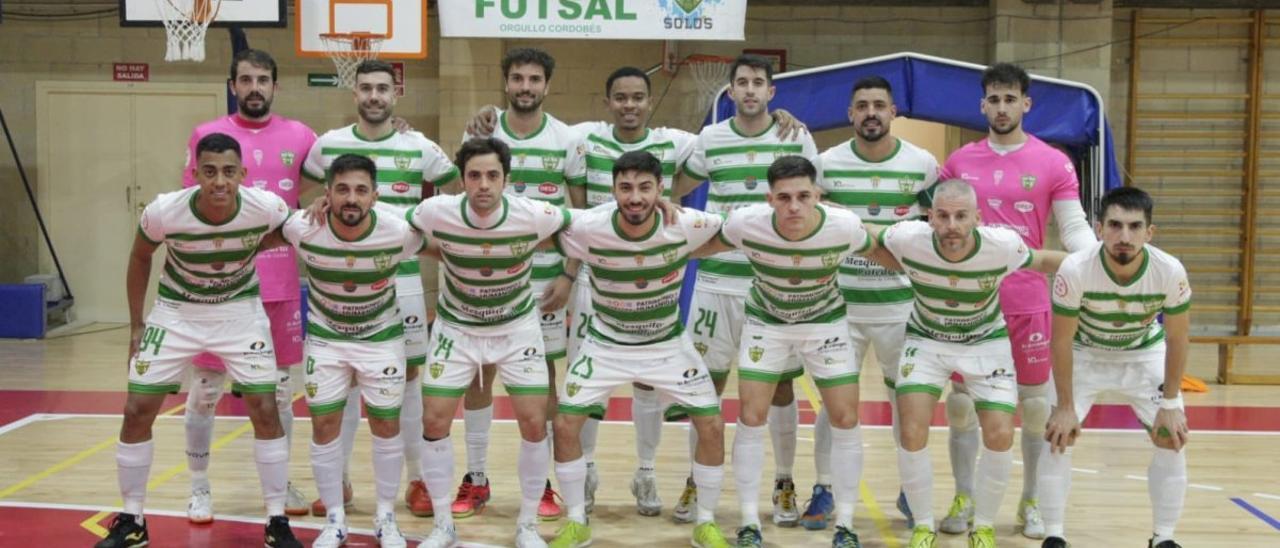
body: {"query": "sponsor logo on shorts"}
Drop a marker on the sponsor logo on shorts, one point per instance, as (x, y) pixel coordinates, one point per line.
(701, 348)
(141, 366)
(390, 371)
(258, 345)
(755, 353)
(690, 373)
(572, 389)
(907, 368)
(311, 389)
(1000, 373)
(1036, 337)
(435, 369)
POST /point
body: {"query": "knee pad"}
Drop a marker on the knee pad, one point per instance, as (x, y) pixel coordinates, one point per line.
(960, 412)
(206, 389)
(1035, 413)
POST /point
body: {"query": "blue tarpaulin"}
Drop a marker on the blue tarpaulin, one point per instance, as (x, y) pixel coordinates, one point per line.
(943, 91)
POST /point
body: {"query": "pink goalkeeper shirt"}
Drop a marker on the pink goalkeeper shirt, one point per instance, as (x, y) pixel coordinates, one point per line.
(1016, 190)
(272, 152)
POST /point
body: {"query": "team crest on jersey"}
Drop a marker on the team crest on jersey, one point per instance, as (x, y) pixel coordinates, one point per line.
(572, 389)
(249, 240)
(382, 261)
(485, 248)
(755, 353)
(905, 186)
(257, 156)
(701, 348)
(670, 255)
(351, 261)
(435, 369)
(873, 208)
(1028, 181)
(797, 259)
(907, 369)
(519, 248)
(750, 182)
(521, 157)
(217, 242)
(987, 283)
(311, 389)
(639, 260)
(141, 366)
(1151, 307)
(550, 163)
(875, 181)
(286, 157)
(830, 259)
(402, 161)
(953, 280)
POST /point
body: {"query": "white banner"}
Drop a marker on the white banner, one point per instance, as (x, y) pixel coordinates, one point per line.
(600, 19)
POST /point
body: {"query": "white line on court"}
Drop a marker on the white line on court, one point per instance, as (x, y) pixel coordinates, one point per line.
(1084, 470)
(1205, 487)
(19, 423)
(1267, 496)
(1133, 477)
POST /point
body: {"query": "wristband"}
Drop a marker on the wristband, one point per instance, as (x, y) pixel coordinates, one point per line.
(571, 277)
(1175, 403)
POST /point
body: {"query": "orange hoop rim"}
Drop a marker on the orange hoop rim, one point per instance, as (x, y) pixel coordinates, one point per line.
(360, 41)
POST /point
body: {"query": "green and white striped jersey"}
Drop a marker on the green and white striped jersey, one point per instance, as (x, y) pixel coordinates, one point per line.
(541, 166)
(487, 262)
(635, 284)
(795, 280)
(207, 263)
(352, 296)
(672, 146)
(956, 303)
(1118, 321)
(880, 193)
(405, 162)
(737, 167)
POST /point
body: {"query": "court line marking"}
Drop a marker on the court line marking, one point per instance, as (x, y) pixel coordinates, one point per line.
(1257, 513)
(19, 423)
(74, 459)
(1267, 496)
(1205, 487)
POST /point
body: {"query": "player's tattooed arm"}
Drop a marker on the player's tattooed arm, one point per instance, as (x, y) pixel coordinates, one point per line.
(1063, 426)
(1046, 261)
(136, 287)
(790, 128)
(484, 122)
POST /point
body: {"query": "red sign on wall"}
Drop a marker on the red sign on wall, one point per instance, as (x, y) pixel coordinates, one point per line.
(130, 72)
(398, 67)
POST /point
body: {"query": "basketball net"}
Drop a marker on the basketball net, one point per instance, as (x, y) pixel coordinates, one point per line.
(185, 23)
(710, 73)
(348, 50)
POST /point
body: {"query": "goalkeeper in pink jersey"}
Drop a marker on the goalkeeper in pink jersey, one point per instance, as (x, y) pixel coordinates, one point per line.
(1019, 181)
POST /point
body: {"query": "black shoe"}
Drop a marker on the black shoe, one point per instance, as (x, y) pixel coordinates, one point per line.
(125, 532)
(1165, 544)
(845, 538)
(1054, 542)
(279, 535)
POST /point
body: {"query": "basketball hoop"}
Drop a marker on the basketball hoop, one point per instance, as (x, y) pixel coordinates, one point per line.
(185, 23)
(349, 49)
(710, 73)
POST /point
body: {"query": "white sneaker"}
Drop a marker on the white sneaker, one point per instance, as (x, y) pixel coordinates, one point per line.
(645, 488)
(333, 536)
(786, 513)
(593, 481)
(387, 532)
(684, 510)
(200, 506)
(527, 536)
(960, 517)
(440, 537)
(294, 504)
(1030, 520)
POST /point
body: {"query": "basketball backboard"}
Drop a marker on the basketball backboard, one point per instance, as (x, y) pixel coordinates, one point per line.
(403, 22)
(232, 13)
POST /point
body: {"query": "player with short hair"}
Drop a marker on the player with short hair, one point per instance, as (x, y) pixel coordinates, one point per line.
(795, 312)
(1108, 339)
(957, 326)
(355, 336)
(208, 302)
(409, 166)
(636, 264)
(735, 156)
(1019, 180)
(876, 175)
(274, 148)
(485, 240)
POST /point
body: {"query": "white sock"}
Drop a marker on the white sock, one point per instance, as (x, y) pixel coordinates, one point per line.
(783, 422)
(993, 477)
(437, 473)
(693, 444)
(708, 480)
(477, 422)
(590, 433)
(646, 413)
(1033, 445)
(272, 457)
(202, 399)
(350, 425)
(388, 459)
(964, 445)
(1167, 487)
(1055, 480)
(133, 466)
(284, 403)
(846, 448)
(916, 471)
(532, 468)
(411, 430)
(748, 461)
(893, 416)
(572, 476)
(551, 447)
(822, 448)
(326, 464)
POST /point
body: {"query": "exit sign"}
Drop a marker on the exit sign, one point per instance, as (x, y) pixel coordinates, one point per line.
(130, 72)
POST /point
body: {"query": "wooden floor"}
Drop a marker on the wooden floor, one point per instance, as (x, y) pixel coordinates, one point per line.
(63, 458)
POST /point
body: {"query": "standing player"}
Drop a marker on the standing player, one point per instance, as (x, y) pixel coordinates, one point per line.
(406, 163)
(487, 315)
(795, 312)
(274, 147)
(1107, 339)
(637, 325)
(956, 326)
(876, 175)
(355, 332)
(735, 155)
(545, 154)
(208, 302)
(1019, 180)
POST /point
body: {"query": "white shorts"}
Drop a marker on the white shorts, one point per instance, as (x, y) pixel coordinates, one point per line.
(413, 314)
(580, 313)
(988, 371)
(716, 331)
(171, 340)
(673, 368)
(1140, 381)
(455, 357)
(554, 331)
(887, 338)
(774, 354)
(378, 369)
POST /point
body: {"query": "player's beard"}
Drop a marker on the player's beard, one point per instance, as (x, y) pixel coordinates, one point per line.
(637, 219)
(1123, 258)
(371, 119)
(514, 102)
(243, 105)
(350, 218)
(1012, 127)
(880, 131)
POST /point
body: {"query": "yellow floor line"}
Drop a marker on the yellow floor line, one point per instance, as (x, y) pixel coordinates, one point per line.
(868, 498)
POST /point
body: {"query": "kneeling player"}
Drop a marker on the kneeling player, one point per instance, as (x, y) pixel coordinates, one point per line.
(1106, 339)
